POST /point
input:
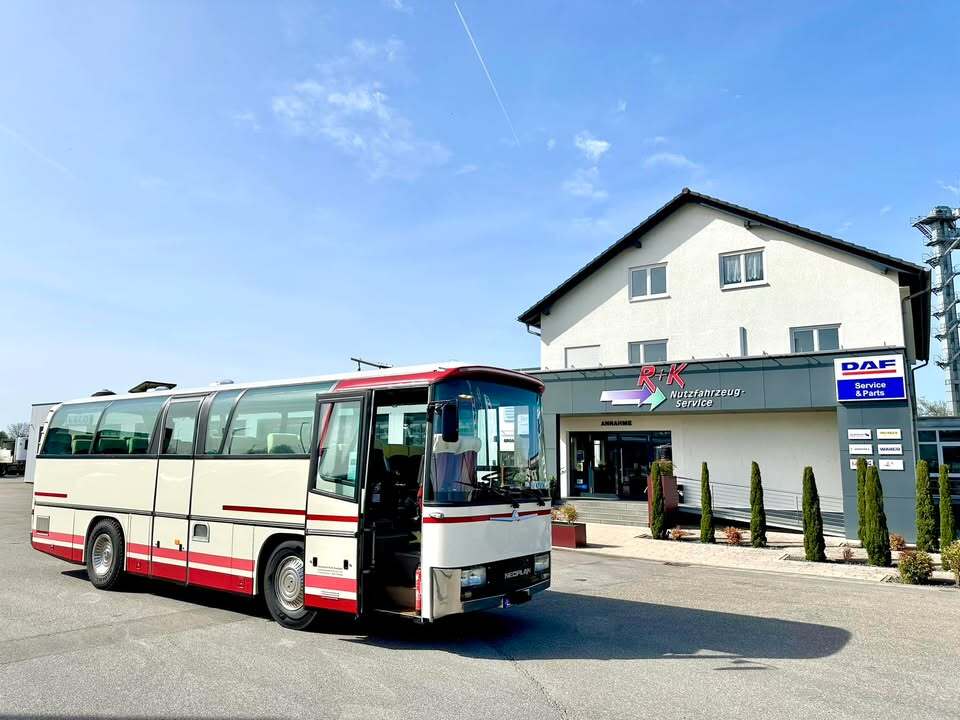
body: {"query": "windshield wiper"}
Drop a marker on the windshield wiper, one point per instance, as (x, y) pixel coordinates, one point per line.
(530, 492)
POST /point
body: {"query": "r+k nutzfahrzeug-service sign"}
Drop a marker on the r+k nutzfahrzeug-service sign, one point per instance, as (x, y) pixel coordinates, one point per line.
(870, 377)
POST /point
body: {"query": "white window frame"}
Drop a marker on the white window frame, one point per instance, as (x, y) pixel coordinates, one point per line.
(649, 295)
(566, 350)
(744, 283)
(643, 344)
(816, 335)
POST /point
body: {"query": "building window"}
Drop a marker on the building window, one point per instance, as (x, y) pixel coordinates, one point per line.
(587, 356)
(741, 269)
(813, 339)
(648, 282)
(647, 352)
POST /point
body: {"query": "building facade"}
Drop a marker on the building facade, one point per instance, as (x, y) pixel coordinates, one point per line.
(713, 333)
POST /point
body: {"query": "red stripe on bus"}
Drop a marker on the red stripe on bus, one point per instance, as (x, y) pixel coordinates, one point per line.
(168, 553)
(328, 582)
(276, 511)
(62, 537)
(348, 383)
(64, 553)
(50, 494)
(479, 518)
(221, 581)
(333, 518)
(165, 571)
(341, 605)
(220, 561)
(138, 567)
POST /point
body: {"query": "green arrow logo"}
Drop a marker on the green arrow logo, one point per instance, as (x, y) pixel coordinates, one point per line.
(655, 400)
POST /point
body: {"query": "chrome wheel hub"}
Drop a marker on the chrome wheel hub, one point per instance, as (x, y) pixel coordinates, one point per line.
(288, 581)
(102, 555)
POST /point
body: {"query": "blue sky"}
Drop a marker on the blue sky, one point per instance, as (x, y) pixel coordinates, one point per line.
(193, 191)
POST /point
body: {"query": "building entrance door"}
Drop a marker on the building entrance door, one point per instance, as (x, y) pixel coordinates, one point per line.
(614, 465)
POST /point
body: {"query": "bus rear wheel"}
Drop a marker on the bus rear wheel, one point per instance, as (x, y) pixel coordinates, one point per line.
(105, 554)
(283, 587)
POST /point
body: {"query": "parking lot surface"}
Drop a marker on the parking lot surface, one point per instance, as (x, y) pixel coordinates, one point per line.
(613, 638)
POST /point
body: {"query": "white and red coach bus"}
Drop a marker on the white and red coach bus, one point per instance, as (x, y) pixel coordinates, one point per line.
(418, 491)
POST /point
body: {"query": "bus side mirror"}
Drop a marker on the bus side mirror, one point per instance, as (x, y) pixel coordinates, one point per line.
(450, 422)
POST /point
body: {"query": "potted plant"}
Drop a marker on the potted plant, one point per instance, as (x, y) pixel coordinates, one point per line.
(565, 530)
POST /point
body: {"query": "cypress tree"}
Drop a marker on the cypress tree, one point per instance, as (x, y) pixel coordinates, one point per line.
(861, 496)
(758, 516)
(926, 520)
(658, 523)
(814, 546)
(876, 536)
(706, 506)
(948, 529)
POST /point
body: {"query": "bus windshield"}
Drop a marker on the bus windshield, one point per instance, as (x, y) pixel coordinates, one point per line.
(498, 456)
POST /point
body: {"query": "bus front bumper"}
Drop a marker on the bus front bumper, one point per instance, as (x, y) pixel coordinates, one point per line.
(450, 597)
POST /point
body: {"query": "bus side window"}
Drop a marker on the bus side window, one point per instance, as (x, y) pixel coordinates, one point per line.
(217, 421)
(337, 461)
(180, 428)
(71, 429)
(127, 426)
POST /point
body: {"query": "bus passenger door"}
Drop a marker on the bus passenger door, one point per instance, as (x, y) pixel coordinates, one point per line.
(171, 506)
(332, 578)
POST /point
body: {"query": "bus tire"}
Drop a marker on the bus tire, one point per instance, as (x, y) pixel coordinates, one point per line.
(283, 586)
(104, 554)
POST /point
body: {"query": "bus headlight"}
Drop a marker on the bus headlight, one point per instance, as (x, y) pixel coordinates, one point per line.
(473, 577)
(541, 564)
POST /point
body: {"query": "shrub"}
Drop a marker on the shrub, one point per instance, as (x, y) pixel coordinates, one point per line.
(861, 496)
(706, 506)
(666, 467)
(814, 546)
(658, 521)
(677, 534)
(733, 535)
(758, 517)
(565, 513)
(876, 537)
(926, 521)
(897, 542)
(948, 529)
(951, 558)
(915, 567)
(846, 554)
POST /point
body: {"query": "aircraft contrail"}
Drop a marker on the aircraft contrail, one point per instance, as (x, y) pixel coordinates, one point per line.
(487, 73)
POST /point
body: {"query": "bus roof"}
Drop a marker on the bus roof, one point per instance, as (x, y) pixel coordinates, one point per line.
(408, 376)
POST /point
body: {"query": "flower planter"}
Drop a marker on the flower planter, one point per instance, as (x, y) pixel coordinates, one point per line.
(569, 535)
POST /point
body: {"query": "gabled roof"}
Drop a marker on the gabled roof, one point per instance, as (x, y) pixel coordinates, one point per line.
(916, 277)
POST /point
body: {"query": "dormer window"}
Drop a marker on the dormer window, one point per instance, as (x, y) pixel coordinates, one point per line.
(648, 282)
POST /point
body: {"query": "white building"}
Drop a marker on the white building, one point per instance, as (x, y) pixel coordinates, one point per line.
(758, 309)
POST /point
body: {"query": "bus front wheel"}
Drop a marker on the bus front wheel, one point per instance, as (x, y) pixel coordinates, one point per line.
(283, 587)
(105, 554)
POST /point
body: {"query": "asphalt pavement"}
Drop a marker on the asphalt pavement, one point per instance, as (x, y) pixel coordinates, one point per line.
(613, 638)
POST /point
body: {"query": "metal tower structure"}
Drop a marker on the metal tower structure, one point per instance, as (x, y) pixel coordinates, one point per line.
(943, 236)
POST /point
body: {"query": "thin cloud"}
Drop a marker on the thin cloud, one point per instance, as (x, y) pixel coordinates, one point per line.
(246, 119)
(467, 169)
(621, 105)
(672, 160)
(551, 143)
(844, 226)
(885, 209)
(955, 189)
(398, 5)
(347, 106)
(592, 148)
(486, 72)
(584, 183)
(35, 151)
(656, 140)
